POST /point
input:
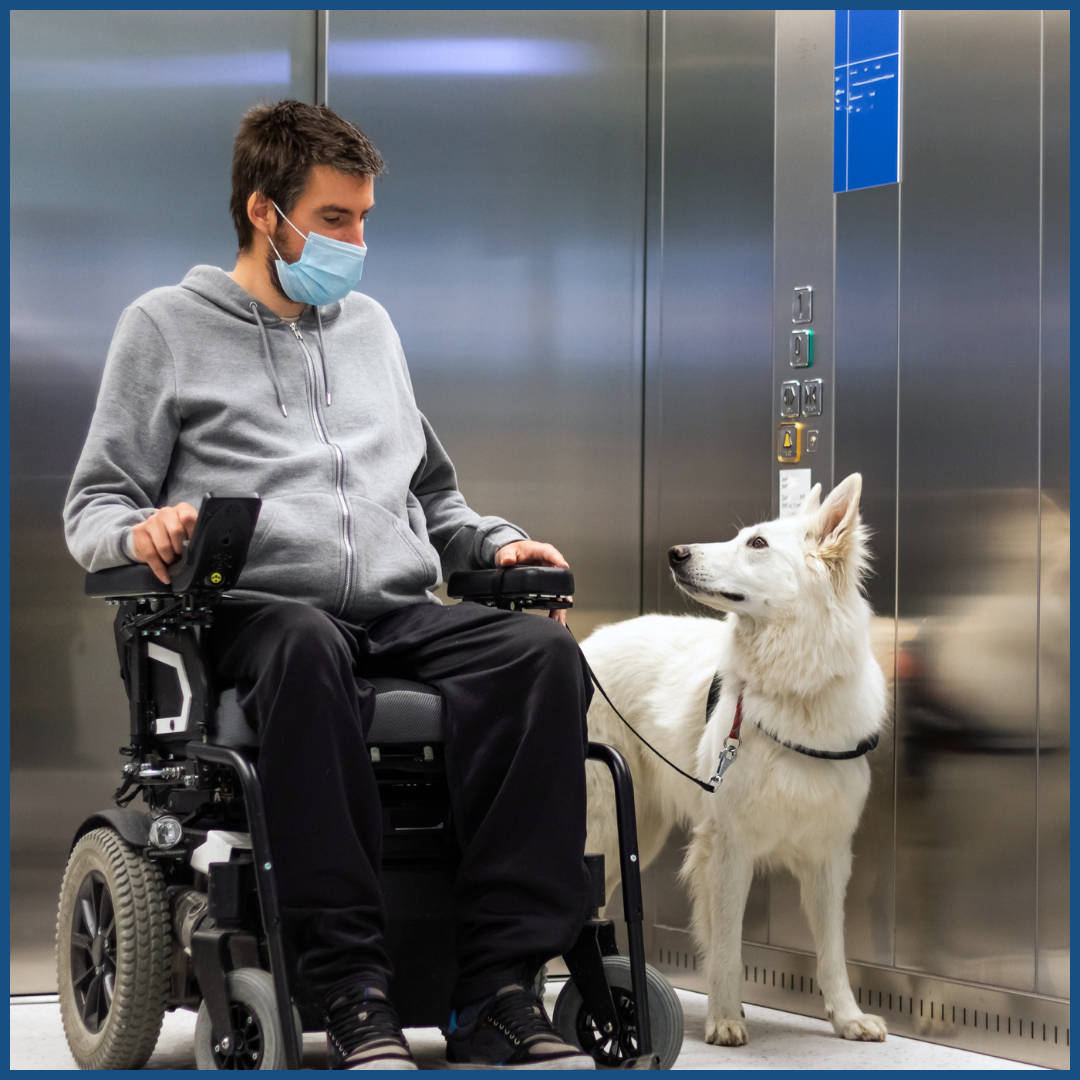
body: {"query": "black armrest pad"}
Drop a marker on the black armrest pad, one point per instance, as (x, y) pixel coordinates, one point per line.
(137, 579)
(517, 582)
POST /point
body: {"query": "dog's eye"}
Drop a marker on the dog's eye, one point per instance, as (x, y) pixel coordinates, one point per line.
(758, 542)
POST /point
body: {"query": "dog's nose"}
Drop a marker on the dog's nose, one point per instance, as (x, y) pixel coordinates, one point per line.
(678, 554)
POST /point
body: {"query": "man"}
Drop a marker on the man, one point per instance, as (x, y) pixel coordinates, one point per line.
(277, 378)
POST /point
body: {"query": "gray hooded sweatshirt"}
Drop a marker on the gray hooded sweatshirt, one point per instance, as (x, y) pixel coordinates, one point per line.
(207, 390)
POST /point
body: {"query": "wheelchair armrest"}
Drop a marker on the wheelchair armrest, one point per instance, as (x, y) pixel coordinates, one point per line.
(212, 558)
(134, 580)
(518, 586)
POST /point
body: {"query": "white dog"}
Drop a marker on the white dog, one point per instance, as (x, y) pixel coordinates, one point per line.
(795, 651)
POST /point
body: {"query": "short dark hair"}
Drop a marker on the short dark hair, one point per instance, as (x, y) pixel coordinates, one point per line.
(276, 147)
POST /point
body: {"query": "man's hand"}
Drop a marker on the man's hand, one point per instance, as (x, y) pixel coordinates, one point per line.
(533, 553)
(159, 540)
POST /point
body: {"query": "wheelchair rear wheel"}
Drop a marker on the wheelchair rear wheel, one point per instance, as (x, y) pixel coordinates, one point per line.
(253, 1011)
(573, 1021)
(112, 953)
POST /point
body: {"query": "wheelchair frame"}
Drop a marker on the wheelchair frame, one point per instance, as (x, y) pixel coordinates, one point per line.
(168, 764)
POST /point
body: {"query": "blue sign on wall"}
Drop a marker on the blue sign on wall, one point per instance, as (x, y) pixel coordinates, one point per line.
(866, 146)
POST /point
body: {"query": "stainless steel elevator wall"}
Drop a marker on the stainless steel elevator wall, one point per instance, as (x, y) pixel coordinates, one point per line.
(507, 245)
(709, 350)
(121, 144)
(1052, 960)
(968, 539)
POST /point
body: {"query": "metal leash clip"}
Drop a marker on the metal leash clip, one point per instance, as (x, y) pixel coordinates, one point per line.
(727, 759)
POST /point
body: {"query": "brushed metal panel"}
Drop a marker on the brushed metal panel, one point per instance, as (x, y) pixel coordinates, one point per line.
(803, 229)
(1054, 681)
(121, 143)
(803, 218)
(968, 496)
(867, 278)
(714, 383)
(507, 245)
(1006, 1024)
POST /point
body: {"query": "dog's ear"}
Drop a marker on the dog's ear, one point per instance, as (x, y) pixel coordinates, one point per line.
(812, 502)
(837, 521)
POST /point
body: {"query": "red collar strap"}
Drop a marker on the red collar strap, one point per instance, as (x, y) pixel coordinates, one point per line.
(738, 722)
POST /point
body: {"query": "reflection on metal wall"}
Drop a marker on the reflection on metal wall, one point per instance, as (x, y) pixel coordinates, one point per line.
(710, 281)
(709, 294)
(968, 496)
(1052, 960)
(121, 145)
(867, 268)
(506, 243)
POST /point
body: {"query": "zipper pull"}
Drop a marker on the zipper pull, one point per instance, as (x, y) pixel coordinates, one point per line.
(296, 331)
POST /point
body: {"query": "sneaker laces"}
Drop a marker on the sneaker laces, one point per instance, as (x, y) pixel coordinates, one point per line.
(358, 1018)
(520, 1017)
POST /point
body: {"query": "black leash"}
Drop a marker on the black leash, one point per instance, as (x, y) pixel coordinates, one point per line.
(711, 788)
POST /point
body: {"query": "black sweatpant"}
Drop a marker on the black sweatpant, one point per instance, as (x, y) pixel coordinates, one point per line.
(515, 697)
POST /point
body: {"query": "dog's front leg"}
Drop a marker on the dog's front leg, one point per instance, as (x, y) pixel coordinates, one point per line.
(719, 881)
(823, 886)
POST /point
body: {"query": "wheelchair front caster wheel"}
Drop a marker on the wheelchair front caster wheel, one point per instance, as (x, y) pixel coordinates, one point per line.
(253, 1010)
(113, 953)
(573, 1021)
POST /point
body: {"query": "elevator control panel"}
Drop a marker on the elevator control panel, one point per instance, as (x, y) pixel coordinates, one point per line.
(802, 304)
(811, 397)
(789, 443)
(802, 348)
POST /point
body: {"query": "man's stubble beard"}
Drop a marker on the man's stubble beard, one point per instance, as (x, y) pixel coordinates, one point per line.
(271, 263)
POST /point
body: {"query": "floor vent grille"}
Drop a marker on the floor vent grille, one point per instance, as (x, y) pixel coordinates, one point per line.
(1007, 1024)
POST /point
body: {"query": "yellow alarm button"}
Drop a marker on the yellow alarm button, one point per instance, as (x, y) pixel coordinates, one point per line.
(215, 579)
(789, 443)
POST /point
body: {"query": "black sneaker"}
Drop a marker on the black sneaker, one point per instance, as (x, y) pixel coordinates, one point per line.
(363, 1032)
(510, 1031)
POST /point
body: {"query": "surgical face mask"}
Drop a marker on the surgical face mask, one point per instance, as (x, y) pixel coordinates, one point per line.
(327, 270)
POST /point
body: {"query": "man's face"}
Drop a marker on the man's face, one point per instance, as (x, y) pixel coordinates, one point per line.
(333, 204)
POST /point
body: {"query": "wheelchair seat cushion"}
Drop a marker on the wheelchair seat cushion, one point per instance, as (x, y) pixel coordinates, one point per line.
(405, 712)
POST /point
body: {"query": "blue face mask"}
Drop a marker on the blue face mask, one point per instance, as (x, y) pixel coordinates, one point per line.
(327, 271)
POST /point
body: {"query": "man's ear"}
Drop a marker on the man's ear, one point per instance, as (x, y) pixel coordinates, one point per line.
(812, 501)
(837, 522)
(261, 213)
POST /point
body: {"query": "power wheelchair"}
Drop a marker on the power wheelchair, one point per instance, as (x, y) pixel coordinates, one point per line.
(175, 906)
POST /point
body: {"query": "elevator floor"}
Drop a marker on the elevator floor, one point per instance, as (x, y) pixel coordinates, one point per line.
(779, 1040)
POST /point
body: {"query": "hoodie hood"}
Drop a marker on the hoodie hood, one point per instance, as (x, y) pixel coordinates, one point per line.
(214, 285)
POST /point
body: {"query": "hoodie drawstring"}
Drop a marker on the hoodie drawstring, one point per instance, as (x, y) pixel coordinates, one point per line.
(254, 308)
(322, 355)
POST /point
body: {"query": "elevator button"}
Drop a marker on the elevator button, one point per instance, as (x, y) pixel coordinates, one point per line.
(811, 397)
(789, 443)
(802, 348)
(802, 304)
(789, 400)
(812, 438)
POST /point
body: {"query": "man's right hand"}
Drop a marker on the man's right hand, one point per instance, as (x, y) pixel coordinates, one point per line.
(159, 540)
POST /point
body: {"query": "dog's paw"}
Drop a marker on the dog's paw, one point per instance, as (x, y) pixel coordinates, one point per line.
(862, 1028)
(726, 1032)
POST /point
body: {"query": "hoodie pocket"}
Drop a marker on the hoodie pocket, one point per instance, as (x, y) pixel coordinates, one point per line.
(392, 560)
(298, 550)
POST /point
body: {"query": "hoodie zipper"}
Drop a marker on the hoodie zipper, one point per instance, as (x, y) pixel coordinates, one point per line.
(339, 470)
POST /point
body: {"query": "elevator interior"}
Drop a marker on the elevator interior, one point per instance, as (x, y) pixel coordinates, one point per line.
(633, 219)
